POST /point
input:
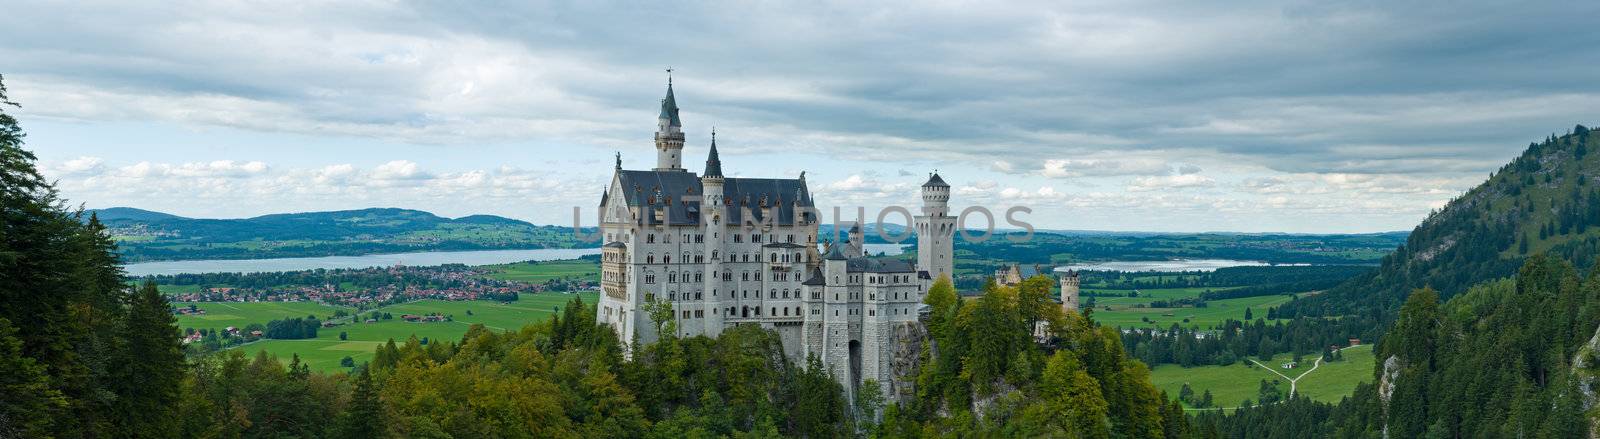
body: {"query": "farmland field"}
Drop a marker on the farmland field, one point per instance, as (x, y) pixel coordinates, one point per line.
(324, 352)
(238, 314)
(1124, 314)
(536, 272)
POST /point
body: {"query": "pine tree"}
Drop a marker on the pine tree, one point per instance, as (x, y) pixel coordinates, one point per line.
(153, 366)
(364, 418)
(26, 398)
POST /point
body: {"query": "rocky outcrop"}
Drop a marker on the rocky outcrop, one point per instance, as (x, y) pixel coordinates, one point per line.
(1386, 382)
(1586, 370)
(909, 338)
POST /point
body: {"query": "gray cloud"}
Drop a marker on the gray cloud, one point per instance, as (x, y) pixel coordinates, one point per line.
(1159, 95)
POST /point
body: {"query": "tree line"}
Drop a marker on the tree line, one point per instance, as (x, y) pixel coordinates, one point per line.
(81, 353)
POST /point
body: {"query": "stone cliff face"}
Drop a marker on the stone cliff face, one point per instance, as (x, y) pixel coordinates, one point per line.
(907, 358)
(1391, 372)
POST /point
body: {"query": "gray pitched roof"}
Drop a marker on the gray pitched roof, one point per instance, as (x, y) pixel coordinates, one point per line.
(815, 279)
(640, 189)
(935, 181)
(878, 265)
(835, 253)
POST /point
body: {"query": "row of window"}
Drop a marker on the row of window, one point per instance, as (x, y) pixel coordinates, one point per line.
(650, 258)
(755, 311)
(699, 238)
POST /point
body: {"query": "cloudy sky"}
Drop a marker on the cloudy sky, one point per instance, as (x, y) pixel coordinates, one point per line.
(1309, 116)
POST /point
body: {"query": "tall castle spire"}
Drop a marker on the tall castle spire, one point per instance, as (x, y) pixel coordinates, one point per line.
(669, 133)
(713, 163)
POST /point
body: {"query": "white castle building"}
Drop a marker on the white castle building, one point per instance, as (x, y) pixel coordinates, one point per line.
(729, 251)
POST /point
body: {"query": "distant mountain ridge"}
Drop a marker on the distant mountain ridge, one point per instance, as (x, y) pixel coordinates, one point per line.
(150, 235)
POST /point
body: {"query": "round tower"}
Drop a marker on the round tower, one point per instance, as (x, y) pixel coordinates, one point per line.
(712, 216)
(1069, 291)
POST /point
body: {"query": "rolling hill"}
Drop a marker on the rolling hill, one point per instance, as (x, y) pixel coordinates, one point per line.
(147, 235)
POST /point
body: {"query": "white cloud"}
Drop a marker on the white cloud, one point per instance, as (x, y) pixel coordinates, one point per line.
(399, 170)
(1182, 181)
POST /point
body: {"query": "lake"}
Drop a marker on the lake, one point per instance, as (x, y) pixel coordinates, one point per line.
(1172, 265)
(475, 257)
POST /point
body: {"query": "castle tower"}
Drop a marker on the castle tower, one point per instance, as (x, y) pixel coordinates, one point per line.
(936, 230)
(712, 209)
(669, 134)
(1069, 291)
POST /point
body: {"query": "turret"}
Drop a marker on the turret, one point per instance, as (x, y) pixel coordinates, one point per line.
(711, 181)
(669, 134)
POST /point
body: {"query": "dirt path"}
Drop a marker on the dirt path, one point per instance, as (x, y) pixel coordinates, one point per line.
(1293, 382)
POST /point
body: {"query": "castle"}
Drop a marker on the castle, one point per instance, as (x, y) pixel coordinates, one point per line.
(721, 251)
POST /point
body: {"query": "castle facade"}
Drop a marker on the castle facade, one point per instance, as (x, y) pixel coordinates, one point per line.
(721, 251)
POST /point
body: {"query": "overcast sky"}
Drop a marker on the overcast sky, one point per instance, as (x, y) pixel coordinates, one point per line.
(1314, 116)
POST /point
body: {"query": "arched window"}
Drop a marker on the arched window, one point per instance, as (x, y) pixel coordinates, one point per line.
(773, 294)
(672, 277)
(666, 259)
(650, 258)
(772, 257)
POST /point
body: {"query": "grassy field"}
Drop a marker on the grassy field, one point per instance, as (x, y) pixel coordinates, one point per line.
(238, 314)
(1229, 385)
(1336, 380)
(536, 272)
(324, 352)
(1232, 384)
(1124, 314)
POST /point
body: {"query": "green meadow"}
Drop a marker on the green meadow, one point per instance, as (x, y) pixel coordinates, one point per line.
(1232, 384)
(324, 352)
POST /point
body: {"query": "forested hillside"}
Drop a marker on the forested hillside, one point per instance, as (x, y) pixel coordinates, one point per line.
(1545, 201)
(146, 235)
(1508, 358)
(1478, 346)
